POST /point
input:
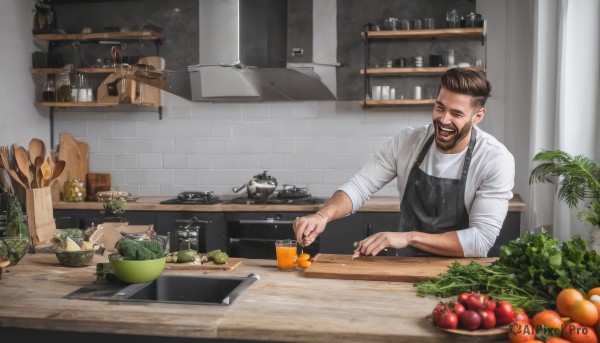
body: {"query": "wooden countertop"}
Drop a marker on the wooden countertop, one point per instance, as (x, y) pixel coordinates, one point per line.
(152, 203)
(281, 306)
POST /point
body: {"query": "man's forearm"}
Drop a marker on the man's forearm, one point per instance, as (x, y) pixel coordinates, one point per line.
(338, 206)
(446, 244)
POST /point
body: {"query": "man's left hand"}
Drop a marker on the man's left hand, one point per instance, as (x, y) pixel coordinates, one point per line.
(373, 244)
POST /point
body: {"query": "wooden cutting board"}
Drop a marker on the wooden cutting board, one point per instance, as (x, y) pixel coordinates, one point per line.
(97, 182)
(232, 263)
(383, 268)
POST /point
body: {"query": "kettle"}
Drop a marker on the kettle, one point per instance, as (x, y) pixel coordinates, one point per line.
(259, 187)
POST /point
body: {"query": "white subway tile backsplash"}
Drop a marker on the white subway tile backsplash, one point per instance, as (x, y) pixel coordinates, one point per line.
(217, 146)
(151, 160)
(295, 161)
(282, 145)
(200, 128)
(128, 161)
(100, 128)
(322, 161)
(294, 128)
(165, 145)
(283, 110)
(149, 129)
(256, 111)
(211, 177)
(136, 177)
(243, 130)
(186, 145)
(174, 129)
(227, 111)
(211, 145)
(100, 161)
(125, 129)
(187, 177)
(358, 145)
(309, 177)
(345, 161)
(198, 161)
(115, 145)
(310, 145)
(335, 145)
(220, 130)
(252, 145)
(162, 177)
(175, 161)
(307, 109)
(271, 161)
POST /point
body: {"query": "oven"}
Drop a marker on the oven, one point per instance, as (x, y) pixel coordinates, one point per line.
(253, 234)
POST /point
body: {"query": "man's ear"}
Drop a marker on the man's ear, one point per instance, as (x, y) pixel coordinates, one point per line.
(478, 116)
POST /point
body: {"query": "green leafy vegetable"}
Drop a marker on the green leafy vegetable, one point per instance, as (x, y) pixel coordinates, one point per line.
(74, 234)
(530, 272)
(140, 250)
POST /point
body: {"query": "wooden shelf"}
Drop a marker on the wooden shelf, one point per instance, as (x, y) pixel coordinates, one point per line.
(86, 104)
(462, 33)
(411, 71)
(132, 35)
(397, 103)
(46, 71)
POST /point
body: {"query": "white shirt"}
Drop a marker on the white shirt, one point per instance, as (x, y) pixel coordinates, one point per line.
(488, 188)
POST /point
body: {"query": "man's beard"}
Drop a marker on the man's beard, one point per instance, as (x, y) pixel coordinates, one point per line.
(458, 135)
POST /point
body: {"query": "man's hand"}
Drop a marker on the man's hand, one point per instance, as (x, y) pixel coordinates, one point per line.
(307, 228)
(373, 244)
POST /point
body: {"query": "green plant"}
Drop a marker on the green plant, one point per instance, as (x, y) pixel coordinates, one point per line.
(15, 226)
(114, 205)
(580, 180)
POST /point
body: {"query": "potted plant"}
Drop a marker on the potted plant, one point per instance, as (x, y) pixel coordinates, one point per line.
(580, 181)
(114, 206)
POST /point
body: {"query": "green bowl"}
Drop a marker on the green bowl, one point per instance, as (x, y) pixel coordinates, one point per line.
(16, 248)
(79, 258)
(132, 271)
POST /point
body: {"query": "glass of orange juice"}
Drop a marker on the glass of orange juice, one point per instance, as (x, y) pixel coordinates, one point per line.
(287, 254)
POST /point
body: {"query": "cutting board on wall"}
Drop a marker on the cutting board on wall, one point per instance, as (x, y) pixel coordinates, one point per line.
(383, 268)
(76, 157)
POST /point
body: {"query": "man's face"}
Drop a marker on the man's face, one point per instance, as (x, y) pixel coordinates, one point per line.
(453, 118)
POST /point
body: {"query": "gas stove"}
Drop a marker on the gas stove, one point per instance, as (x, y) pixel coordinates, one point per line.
(195, 198)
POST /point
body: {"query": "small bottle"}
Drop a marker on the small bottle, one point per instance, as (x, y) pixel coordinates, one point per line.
(450, 57)
(419, 61)
(63, 85)
(49, 91)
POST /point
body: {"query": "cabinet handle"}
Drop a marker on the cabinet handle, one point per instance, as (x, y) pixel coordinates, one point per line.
(265, 221)
(369, 229)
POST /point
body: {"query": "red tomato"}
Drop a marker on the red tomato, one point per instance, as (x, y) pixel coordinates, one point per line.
(488, 318)
(436, 314)
(470, 320)
(520, 316)
(462, 298)
(448, 320)
(491, 304)
(504, 312)
(476, 301)
(457, 308)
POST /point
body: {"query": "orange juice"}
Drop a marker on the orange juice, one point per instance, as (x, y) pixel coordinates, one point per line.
(287, 258)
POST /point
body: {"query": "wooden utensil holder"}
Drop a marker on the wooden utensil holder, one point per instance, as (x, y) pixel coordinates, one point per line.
(40, 217)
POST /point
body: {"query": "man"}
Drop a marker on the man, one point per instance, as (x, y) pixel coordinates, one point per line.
(454, 194)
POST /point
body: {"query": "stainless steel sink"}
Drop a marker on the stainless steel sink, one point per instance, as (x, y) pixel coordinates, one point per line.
(180, 289)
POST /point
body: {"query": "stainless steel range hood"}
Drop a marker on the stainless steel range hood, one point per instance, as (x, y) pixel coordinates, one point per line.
(243, 55)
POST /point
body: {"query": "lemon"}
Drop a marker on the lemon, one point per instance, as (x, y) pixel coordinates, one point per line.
(71, 245)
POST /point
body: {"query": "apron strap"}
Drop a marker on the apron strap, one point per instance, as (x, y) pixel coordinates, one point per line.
(423, 152)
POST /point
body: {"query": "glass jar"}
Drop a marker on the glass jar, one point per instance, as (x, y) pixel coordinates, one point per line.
(63, 85)
(49, 91)
(74, 191)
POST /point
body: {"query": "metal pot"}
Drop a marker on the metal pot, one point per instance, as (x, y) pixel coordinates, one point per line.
(259, 187)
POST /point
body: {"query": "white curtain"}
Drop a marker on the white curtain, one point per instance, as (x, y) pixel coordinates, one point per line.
(565, 104)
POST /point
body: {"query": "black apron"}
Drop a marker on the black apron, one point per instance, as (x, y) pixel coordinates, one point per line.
(432, 204)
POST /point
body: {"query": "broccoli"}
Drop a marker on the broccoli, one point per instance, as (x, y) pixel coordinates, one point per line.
(140, 250)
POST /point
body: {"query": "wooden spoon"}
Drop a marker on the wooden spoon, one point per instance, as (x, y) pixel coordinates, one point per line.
(13, 175)
(46, 171)
(59, 166)
(23, 163)
(37, 148)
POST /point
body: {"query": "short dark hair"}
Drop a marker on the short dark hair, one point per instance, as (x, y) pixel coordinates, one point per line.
(467, 81)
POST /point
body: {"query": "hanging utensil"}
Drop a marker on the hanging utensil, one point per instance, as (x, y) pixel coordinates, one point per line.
(46, 172)
(59, 166)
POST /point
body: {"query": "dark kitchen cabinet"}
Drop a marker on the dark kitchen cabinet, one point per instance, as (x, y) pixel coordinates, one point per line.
(211, 226)
(339, 236)
(84, 218)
